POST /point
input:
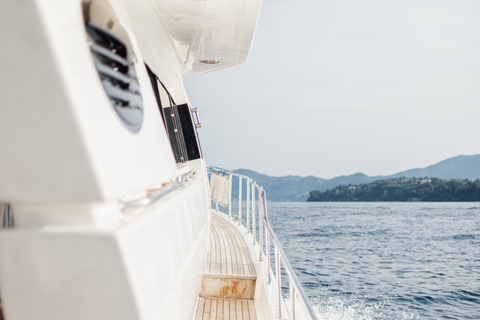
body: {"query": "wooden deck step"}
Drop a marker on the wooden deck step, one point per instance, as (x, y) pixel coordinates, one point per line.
(229, 288)
(228, 284)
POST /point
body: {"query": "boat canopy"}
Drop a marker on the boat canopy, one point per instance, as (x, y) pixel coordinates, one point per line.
(210, 34)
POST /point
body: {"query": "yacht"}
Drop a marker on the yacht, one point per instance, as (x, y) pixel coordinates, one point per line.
(107, 207)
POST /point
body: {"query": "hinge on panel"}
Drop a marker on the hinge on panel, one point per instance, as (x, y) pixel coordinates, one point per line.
(6, 215)
(196, 118)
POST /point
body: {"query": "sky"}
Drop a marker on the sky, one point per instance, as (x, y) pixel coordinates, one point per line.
(339, 87)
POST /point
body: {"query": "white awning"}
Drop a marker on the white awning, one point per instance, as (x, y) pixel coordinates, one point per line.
(210, 34)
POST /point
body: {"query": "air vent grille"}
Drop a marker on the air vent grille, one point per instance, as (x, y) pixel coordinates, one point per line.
(117, 73)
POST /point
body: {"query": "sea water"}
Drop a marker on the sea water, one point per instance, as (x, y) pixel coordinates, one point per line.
(384, 260)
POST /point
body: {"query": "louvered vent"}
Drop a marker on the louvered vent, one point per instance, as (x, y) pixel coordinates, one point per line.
(117, 73)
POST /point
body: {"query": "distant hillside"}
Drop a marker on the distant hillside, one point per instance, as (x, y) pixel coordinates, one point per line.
(296, 188)
(461, 167)
(404, 189)
(287, 188)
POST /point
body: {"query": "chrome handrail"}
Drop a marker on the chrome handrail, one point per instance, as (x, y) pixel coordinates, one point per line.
(294, 284)
(179, 182)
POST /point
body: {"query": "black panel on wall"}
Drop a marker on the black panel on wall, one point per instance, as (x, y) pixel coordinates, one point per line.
(189, 135)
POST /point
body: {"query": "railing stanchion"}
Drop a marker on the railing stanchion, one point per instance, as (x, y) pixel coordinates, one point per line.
(230, 197)
(269, 259)
(240, 200)
(292, 299)
(216, 206)
(278, 277)
(248, 206)
(254, 229)
(261, 215)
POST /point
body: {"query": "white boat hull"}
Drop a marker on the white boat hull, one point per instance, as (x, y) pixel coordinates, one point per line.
(147, 267)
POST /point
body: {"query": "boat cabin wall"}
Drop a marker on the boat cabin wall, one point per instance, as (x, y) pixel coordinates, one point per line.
(62, 140)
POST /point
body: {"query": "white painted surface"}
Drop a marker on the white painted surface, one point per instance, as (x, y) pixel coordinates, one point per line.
(148, 267)
(219, 30)
(60, 139)
(79, 214)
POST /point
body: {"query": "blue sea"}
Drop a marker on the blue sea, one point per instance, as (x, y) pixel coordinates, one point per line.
(384, 260)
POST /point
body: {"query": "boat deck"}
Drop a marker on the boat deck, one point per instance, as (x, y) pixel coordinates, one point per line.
(225, 309)
(229, 279)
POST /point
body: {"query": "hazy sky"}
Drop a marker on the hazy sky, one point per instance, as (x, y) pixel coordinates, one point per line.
(338, 87)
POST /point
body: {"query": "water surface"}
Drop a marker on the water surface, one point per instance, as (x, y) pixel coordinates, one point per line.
(384, 260)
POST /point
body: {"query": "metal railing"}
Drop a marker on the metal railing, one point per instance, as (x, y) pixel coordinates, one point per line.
(267, 238)
(178, 183)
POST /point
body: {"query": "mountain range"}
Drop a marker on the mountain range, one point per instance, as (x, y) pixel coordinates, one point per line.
(296, 188)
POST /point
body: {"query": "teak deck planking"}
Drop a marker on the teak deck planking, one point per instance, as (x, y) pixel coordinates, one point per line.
(225, 309)
(228, 253)
(228, 284)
